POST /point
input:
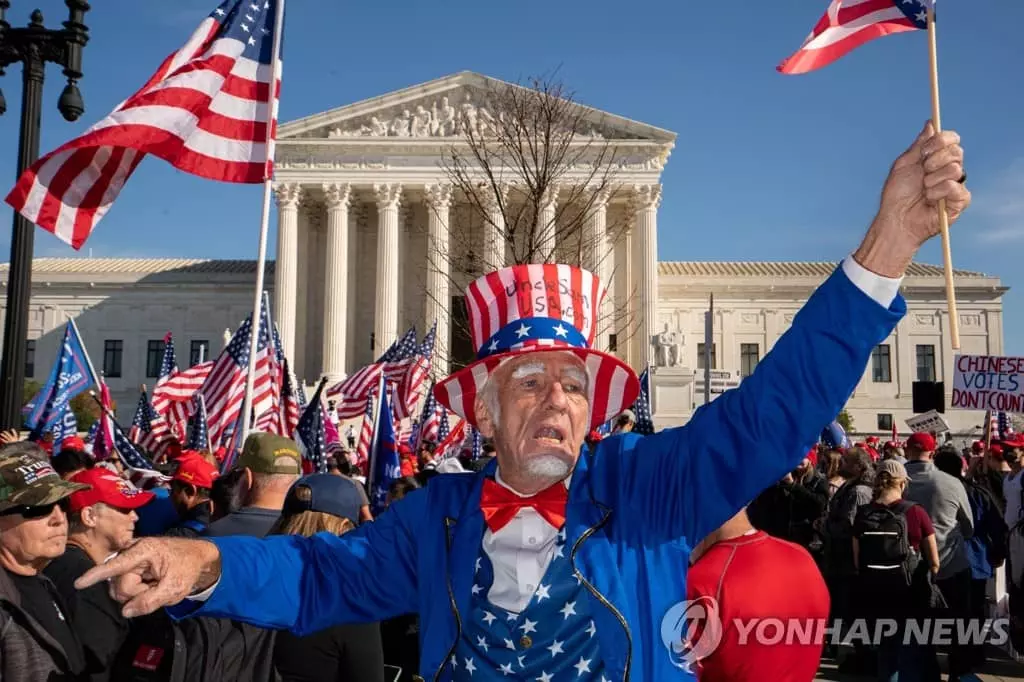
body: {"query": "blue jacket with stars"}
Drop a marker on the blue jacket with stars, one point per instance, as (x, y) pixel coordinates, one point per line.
(637, 505)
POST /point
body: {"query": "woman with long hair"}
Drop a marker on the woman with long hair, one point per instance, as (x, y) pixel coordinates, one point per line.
(325, 503)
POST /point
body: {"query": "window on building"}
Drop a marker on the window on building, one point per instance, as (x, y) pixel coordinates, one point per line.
(885, 422)
(113, 350)
(613, 343)
(154, 358)
(750, 355)
(700, 356)
(199, 352)
(30, 359)
(881, 364)
(926, 363)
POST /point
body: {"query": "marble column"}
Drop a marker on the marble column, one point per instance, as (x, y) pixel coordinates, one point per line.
(286, 266)
(385, 319)
(494, 227)
(625, 315)
(647, 198)
(438, 300)
(546, 230)
(338, 197)
(598, 258)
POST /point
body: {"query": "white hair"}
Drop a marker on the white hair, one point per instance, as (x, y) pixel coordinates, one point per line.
(489, 393)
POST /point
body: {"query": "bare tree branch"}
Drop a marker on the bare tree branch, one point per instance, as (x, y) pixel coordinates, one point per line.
(536, 177)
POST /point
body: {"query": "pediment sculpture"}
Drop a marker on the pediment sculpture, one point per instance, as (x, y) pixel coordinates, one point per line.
(442, 119)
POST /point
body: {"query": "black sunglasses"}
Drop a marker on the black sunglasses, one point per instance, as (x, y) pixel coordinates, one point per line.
(36, 512)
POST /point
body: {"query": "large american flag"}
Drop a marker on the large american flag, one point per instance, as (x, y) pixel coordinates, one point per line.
(848, 24)
(204, 111)
(224, 389)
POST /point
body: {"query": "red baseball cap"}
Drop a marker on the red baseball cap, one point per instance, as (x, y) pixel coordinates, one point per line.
(73, 443)
(107, 488)
(196, 470)
(922, 441)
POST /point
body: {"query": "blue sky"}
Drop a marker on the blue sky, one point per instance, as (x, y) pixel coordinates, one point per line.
(766, 167)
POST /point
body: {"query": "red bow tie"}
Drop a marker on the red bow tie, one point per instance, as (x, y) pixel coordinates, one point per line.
(500, 505)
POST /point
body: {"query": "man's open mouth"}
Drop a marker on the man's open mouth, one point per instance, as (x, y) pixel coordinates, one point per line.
(550, 434)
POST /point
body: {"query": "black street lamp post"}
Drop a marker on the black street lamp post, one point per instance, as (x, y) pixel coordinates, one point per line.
(33, 46)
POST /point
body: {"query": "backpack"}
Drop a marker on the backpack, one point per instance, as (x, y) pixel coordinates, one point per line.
(884, 541)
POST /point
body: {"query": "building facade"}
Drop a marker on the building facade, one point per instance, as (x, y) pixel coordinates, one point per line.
(124, 307)
(365, 206)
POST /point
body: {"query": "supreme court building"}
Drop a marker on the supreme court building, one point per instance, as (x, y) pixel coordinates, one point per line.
(363, 202)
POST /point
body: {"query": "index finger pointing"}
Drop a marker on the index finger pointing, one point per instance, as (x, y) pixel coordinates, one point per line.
(119, 565)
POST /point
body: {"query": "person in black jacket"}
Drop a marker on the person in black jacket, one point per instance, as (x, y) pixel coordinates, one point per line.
(792, 508)
(326, 503)
(101, 522)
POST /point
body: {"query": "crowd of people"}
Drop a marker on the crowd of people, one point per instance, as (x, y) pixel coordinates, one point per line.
(63, 514)
(897, 531)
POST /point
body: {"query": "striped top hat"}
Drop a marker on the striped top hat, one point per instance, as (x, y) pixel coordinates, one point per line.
(529, 308)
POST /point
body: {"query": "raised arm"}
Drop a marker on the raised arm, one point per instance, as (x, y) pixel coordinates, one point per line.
(694, 478)
(281, 582)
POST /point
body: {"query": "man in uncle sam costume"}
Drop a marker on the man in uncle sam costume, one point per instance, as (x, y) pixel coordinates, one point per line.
(551, 565)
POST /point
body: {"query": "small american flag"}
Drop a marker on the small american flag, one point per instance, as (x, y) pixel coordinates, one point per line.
(311, 435)
(224, 388)
(429, 341)
(366, 434)
(198, 437)
(204, 111)
(178, 391)
(148, 428)
(401, 364)
(160, 401)
(140, 470)
(642, 407)
(848, 24)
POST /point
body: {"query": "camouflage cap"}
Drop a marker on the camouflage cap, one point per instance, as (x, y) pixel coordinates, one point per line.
(27, 481)
(266, 453)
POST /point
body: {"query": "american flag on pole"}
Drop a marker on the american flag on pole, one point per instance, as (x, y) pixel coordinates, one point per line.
(224, 389)
(311, 433)
(204, 111)
(148, 428)
(848, 24)
(161, 400)
(198, 437)
(402, 365)
(642, 407)
(140, 470)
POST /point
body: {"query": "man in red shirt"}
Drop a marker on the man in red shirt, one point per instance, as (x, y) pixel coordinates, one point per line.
(770, 601)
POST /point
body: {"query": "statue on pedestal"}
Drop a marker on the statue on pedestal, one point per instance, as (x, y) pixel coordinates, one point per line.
(668, 348)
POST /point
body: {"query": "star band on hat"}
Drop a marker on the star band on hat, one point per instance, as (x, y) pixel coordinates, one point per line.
(524, 309)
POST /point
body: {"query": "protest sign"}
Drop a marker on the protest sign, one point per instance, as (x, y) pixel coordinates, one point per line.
(929, 422)
(988, 382)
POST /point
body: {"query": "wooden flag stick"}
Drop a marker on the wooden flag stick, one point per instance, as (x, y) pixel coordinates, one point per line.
(947, 256)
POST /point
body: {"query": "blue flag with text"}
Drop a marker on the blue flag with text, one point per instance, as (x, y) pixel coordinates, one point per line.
(69, 377)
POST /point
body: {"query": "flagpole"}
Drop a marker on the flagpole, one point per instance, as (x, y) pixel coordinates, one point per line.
(261, 256)
(371, 457)
(947, 255)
